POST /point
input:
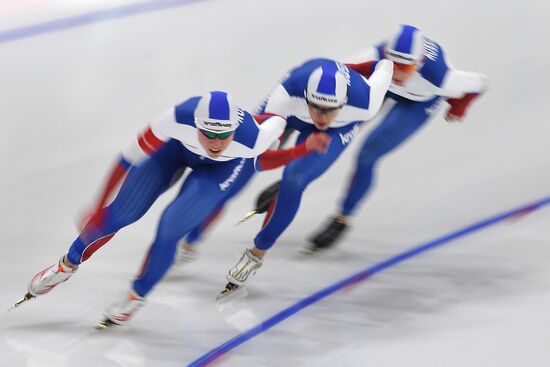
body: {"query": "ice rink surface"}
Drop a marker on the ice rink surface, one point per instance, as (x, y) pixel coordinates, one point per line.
(80, 78)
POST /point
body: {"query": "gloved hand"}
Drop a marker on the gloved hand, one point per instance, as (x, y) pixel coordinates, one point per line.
(318, 142)
(459, 107)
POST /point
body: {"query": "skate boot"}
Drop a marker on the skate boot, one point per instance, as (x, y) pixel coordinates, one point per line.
(327, 237)
(45, 281)
(263, 201)
(266, 197)
(121, 312)
(238, 275)
(48, 278)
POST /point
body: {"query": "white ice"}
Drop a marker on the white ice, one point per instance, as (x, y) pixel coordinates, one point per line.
(71, 99)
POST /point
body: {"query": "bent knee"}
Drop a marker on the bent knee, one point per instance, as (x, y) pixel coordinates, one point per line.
(295, 182)
(370, 154)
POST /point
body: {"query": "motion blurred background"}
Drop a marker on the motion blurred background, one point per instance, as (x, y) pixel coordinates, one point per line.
(79, 79)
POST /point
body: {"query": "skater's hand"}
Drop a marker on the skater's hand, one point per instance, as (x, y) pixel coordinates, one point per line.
(453, 118)
(458, 107)
(318, 142)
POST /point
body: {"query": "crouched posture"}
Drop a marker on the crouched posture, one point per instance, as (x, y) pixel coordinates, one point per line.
(209, 134)
(319, 95)
(422, 78)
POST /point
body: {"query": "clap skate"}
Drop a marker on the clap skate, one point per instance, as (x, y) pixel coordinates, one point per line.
(121, 312)
(45, 281)
(326, 238)
(26, 297)
(247, 265)
(263, 201)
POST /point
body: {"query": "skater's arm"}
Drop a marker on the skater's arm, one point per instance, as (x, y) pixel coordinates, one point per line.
(272, 159)
(316, 142)
(379, 83)
(461, 89)
(117, 173)
(365, 68)
(145, 144)
(271, 127)
(371, 90)
(279, 102)
(142, 147)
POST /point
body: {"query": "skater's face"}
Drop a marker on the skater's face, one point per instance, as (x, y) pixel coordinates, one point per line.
(402, 72)
(322, 116)
(213, 143)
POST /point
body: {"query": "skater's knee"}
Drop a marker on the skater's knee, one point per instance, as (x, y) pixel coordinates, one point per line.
(117, 217)
(170, 234)
(370, 154)
(174, 225)
(166, 242)
(365, 161)
(295, 182)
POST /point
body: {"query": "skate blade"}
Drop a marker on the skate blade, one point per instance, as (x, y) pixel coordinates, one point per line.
(248, 215)
(25, 298)
(231, 292)
(105, 324)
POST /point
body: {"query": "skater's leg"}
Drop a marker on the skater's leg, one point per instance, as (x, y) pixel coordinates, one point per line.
(139, 190)
(400, 121)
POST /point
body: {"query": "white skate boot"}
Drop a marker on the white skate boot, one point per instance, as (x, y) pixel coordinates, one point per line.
(45, 281)
(238, 275)
(122, 311)
(50, 277)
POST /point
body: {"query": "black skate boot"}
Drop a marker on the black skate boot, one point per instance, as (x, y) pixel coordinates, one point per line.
(263, 201)
(266, 197)
(327, 237)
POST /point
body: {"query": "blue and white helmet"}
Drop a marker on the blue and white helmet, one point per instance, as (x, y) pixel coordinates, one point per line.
(327, 86)
(405, 46)
(216, 112)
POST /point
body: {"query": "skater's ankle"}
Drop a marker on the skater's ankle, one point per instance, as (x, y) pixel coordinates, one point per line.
(187, 247)
(342, 218)
(256, 252)
(69, 264)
